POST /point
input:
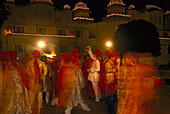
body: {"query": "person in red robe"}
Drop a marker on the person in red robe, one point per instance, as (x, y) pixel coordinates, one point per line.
(88, 84)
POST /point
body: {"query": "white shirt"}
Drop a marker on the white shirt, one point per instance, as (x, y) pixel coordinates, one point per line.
(94, 74)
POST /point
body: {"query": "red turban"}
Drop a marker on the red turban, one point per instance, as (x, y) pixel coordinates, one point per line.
(127, 55)
(75, 52)
(80, 56)
(12, 54)
(112, 54)
(98, 52)
(35, 54)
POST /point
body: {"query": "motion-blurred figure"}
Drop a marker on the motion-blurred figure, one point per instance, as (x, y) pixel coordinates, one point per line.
(111, 82)
(37, 71)
(14, 95)
(69, 84)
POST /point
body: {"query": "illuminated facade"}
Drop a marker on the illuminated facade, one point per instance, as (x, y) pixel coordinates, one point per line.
(63, 30)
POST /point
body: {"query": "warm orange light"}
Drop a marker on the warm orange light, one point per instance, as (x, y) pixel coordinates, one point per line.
(51, 55)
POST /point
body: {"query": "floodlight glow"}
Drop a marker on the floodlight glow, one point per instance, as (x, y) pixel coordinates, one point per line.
(41, 44)
(108, 44)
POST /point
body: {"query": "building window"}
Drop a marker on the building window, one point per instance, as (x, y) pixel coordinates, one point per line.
(155, 19)
(165, 34)
(151, 18)
(79, 34)
(92, 34)
(19, 48)
(160, 20)
(61, 31)
(63, 49)
(168, 49)
(40, 30)
(18, 29)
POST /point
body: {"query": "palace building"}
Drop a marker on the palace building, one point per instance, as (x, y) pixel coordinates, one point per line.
(64, 30)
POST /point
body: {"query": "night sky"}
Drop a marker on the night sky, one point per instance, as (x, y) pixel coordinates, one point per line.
(98, 7)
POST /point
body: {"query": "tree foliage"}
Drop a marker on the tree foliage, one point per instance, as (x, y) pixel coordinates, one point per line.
(3, 16)
(137, 36)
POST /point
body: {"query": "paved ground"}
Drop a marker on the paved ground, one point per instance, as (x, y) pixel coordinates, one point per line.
(160, 105)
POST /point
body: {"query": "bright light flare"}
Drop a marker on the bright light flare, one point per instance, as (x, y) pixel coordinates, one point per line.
(51, 55)
(41, 44)
(108, 44)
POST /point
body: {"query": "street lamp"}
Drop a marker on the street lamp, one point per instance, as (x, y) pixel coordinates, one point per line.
(41, 44)
(108, 44)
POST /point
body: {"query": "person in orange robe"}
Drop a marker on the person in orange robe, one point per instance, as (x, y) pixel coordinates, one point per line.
(15, 98)
(37, 71)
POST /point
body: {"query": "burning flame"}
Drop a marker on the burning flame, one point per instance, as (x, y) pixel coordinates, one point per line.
(51, 55)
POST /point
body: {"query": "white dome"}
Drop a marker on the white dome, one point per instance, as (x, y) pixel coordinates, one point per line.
(152, 7)
(81, 5)
(66, 6)
(47, 1)
(131, 7)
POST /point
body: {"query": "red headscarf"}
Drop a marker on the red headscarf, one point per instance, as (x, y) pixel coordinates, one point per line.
(36, 54)
(112, 54)
(80, 56)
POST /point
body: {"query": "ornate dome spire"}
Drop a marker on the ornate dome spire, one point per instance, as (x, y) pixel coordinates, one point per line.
(131, 7)
(66, 7)
(116, 2)
(81, 5)
(47, 1)
(9, 0)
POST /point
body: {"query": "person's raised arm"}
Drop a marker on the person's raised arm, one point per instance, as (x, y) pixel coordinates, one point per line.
(90, 53)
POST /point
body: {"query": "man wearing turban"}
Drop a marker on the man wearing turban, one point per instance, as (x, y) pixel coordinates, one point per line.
(110, 82)
(94, 72)
(35, 68)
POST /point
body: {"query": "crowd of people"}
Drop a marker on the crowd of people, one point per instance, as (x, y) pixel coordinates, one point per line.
(22, 83)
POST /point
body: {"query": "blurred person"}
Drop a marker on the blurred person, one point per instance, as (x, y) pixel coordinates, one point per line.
(94, 72)
(106, 56)
(46, 80)
(88, 85)
(37, 71)
(56, 64)
(26, 59)
(81, 60)
(138, 85)
(70, 83)
(111, 68)
(15, 98)
(127, 102)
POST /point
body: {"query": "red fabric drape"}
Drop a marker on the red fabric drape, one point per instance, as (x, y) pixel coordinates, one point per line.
(102, 84)
(89, 89)
(37, 71)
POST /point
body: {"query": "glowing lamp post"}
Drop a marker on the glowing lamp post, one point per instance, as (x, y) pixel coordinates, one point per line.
(108, 44)
(41, 44)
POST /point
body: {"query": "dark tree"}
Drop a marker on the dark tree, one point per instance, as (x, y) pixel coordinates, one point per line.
(137, 36)
(3, 16)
